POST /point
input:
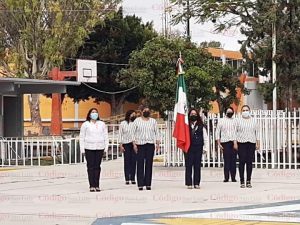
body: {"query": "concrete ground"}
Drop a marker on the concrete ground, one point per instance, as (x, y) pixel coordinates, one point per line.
(59, 195)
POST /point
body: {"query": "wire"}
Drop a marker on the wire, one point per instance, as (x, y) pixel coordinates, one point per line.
(105, 63)
(107, 92)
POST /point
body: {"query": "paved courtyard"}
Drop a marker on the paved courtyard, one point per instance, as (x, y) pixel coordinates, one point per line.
(59, 195)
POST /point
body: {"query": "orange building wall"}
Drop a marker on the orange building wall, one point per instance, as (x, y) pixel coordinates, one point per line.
(128, 105)
(218, 52)
(235, 55)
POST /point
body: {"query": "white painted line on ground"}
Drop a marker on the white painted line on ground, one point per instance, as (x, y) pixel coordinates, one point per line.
(246, 214)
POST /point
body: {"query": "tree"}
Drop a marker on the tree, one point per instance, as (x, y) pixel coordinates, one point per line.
(40, 34)
(112, 42)
(152, 71)
(255, 19)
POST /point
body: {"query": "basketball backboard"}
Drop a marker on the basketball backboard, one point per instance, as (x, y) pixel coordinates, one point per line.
(87, 71)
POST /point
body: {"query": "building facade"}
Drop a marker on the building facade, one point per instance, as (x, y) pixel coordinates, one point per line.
(235, 60)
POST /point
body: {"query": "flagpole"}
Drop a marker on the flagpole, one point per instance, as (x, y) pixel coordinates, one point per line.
(181, 130)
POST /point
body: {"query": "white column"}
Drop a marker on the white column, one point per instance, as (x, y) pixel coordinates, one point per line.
(76, 105)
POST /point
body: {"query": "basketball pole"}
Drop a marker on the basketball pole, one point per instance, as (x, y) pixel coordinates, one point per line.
(56, 113)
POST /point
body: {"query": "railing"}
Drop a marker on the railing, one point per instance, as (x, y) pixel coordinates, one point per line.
(279, 148)
(38, 151)
(279, 135)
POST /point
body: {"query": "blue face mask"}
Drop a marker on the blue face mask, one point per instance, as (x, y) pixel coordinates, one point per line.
(245, 114)
(94, 116)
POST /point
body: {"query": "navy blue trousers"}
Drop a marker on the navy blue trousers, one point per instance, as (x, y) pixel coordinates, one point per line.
(193, 164)
(145, 156)
(229, 155)
(129, 162)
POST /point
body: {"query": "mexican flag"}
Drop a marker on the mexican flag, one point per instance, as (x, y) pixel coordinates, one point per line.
(181, 130)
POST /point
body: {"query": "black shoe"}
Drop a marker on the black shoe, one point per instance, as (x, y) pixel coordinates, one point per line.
(234, 180)
(97, 189)
(242, 185)
(133, 182)
(148, 188)
(248, 184)
(225, 181)
(127, 182)
(92, 189)
(140, 188)
(197, 187)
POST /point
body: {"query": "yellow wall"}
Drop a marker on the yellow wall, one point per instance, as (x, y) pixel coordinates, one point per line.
(103, 108)
(68, 111)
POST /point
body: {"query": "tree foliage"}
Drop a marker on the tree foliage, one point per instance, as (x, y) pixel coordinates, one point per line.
(42, 33)
(255, 19)
(112, 42)
(39, 34)
(152, 71)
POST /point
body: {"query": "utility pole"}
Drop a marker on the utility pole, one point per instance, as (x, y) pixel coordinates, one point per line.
(165, 19)
(274, 68)
(274, 73)
(188, 31)
(290, 88)
(166, 28)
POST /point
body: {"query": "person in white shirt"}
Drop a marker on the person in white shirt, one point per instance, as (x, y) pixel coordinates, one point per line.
(193, 157)
(247, 136)
(93, 142)
(145, 131)
(226, 139)
(126, 146)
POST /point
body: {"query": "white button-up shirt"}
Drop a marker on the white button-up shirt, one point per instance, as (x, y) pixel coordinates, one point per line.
(93, 136)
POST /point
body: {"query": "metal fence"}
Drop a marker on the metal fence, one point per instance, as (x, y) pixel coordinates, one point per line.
(51, 150)
(279, 137)
(39, 151)
(279, 148)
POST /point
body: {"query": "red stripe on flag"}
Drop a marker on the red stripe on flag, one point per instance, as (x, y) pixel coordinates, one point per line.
(182, 133)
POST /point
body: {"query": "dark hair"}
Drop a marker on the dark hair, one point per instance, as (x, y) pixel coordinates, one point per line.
(246, 106)
(127, 115)
(142, 107)
(199, 120)
(88, 118)
(229, 108)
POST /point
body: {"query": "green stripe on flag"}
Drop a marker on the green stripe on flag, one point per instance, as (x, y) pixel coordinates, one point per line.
(180, 83)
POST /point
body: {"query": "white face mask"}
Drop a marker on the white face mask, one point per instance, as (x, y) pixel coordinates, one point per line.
(246, 114)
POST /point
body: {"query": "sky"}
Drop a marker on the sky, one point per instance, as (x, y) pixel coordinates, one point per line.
(152, 10)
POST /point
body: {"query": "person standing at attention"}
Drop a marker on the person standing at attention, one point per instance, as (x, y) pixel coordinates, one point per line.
(247, 133)
(126, 146)
(226, 139)
(146, 135)
(199, 141)
(93, 142)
